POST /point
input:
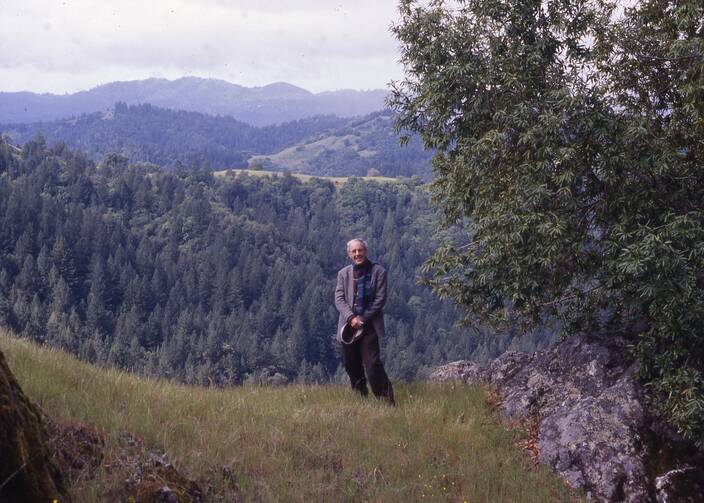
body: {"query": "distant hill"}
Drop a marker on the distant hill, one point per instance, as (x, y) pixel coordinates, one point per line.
(271, 104)
(167, 137)
(362, 145)
(337, 181)
(320, 145)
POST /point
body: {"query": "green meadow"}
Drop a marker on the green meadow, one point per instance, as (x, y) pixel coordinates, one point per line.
(299, 442)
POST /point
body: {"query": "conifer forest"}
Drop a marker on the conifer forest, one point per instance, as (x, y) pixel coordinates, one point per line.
(211, 279)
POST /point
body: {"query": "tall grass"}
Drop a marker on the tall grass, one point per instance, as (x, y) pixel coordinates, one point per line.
(301, 443)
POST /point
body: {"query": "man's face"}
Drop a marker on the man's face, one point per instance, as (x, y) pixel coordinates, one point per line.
(357, 253)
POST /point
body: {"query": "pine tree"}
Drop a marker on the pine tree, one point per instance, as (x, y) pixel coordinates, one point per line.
(62, 260)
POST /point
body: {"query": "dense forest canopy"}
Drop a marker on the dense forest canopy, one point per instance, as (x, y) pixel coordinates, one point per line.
(571, 136)
(210, 279)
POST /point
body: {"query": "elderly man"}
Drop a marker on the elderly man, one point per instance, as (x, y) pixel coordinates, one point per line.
(360, 296)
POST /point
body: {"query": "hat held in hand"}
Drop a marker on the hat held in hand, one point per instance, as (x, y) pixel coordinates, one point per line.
(349, 335)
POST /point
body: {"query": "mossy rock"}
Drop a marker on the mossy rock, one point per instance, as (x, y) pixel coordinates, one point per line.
(26, 471)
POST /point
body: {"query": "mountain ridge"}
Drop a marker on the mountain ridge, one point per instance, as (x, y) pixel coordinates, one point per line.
(260, 106)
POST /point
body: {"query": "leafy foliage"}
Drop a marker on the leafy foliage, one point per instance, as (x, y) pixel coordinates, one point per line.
(570, 136)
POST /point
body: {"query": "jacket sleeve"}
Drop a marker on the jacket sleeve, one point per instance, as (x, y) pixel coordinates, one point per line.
(342, 306)
(379, 297)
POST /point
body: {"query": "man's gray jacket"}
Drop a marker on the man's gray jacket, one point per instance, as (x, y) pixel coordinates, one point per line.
(344, 299)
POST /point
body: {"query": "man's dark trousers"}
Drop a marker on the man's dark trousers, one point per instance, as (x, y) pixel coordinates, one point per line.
(363, 355)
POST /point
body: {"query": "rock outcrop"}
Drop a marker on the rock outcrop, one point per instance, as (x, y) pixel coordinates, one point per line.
(119, 469)
(593, 426)
(27, 473)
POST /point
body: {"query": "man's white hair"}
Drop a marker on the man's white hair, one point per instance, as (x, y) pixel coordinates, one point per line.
(357, 240)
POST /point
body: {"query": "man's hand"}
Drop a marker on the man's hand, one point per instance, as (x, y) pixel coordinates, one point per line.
(356, 322)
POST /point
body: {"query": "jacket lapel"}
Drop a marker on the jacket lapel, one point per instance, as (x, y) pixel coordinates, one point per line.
(349, 281)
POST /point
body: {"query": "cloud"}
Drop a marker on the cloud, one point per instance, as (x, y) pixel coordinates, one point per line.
(315, 43)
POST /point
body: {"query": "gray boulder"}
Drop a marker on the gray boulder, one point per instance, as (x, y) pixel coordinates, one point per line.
(593, 427)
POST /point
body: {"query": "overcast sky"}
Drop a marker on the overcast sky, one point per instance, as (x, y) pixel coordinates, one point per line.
(66, 46)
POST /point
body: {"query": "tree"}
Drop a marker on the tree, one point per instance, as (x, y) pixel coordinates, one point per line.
(570, 151)
(63, 261)
(97, 314)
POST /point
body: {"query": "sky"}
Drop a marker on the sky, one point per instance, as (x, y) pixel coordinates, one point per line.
(320, 45)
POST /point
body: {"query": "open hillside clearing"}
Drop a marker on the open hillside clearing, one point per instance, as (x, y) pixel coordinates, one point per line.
(337, 181)
(297, 442)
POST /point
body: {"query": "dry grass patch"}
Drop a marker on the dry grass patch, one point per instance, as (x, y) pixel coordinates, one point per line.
(337, 181)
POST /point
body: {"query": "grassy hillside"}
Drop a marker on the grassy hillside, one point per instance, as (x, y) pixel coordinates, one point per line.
(362, 144)
(299, 443)
(298, 157)
(338, 181)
